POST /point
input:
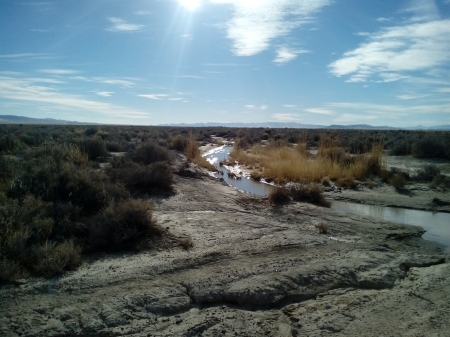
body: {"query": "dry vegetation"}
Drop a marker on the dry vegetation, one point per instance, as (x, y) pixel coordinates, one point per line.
(193, 153)
(283, 164)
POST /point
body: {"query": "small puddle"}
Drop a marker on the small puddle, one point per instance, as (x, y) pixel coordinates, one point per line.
(436, 224)
(219, 154)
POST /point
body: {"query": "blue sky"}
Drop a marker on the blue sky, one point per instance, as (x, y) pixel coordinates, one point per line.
(151, 62)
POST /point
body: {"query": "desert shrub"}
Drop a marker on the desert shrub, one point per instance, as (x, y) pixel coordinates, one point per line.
(114, 147)
(398, 181)
(178, 143)
(427, 173)
(279, 196)
(151, 178)
(441, 202)
(346, 182)
(91, 131)
(187, 243)
(52, 258)
(400, 149)
(429, 147)
(95, 148)
(440, 181)
(121, 226)
(312, 193)
(149, 153)
(256, 175)
(322, 227)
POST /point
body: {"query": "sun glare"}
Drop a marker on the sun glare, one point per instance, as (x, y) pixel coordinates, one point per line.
(191, 5)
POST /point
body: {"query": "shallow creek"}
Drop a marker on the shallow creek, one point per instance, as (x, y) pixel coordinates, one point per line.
(436, 224)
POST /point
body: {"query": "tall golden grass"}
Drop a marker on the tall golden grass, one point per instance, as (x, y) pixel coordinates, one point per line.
(284, 164)
(192, 152)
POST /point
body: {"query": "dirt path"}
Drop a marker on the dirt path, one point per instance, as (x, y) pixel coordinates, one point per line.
(254, 270)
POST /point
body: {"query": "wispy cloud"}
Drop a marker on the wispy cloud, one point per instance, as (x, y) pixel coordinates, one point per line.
(410, 97)
(354, 118)
(59, 71)
(155, 96)
(257, 23)
(392, 111)
(105, 93)
(320, 111)
(119, 25)
(143, 13)
(285, 54)
(256, 107)
(25, 56)
(289, 106)
(286, 117)
(26, 90)
(392, 53)
(122, 82)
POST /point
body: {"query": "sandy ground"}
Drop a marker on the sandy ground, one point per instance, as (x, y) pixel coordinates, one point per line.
(254, 270)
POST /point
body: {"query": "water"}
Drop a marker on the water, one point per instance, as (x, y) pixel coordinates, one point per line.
(436, 224)
(245, 183)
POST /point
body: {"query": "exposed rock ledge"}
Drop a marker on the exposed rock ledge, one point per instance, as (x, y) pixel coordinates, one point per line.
(254, 271)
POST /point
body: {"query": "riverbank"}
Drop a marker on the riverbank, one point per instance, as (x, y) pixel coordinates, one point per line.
(253, 270)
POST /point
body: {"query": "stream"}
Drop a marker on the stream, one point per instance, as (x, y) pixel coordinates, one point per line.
(436, 224)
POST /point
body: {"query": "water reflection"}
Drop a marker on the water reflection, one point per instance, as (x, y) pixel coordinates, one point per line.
(243, 182)
(437, 224)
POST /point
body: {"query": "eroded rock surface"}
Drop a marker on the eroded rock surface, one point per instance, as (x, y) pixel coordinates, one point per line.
(254, 270)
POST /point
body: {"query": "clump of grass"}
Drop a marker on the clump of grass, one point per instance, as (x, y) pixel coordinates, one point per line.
(347, 182)
(256, 175)
(398, 181)
(187, 243)
(279, 196)
(287, 164)
(312, 193)
(323, 228)
(192, 152)
(121, 226)
(441, 202)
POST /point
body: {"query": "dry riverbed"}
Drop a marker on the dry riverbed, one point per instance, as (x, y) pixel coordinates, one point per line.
(254, 270)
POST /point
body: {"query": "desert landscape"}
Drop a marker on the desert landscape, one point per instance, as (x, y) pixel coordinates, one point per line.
(211, 260)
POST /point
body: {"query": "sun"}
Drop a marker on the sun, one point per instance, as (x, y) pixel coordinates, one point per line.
(191, 5)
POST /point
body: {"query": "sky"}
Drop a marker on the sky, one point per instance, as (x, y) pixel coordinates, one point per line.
(150, 62)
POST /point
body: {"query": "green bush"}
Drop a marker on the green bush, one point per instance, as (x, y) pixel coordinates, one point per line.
(95, 148)
(149, 153)
(279, 196)
(398, 181)
(312, 193)
(178, 143)
(429, 147)
(121, 226)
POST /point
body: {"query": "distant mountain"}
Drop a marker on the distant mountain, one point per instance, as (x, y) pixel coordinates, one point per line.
(362, 127)
(294, 125)
(437, 127)
(10, 119)
(278, 125)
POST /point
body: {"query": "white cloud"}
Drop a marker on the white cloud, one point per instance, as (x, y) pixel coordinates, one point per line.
(320, 111)
(289, 106)
(395, 51)
(256, 107)
(25, 57)
(155, 96)
(354, 118)
(105, 93)
(142, 13)
(285, 54)
(444, 90)
(391, 110)
(258, 22)
(59, 71)
(286, 117)
(26, 90)
(119, 25)
(122, 82)
(410, 97)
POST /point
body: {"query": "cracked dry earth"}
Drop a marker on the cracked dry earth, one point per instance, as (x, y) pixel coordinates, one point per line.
(254, 270)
